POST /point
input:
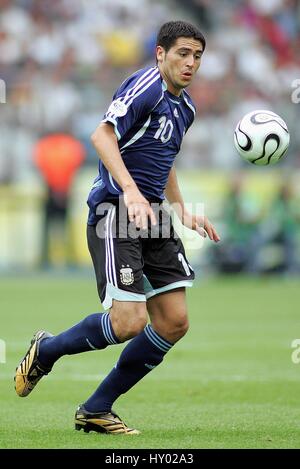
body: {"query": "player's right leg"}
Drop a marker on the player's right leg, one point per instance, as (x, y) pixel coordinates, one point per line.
(95, 332)
(30, 370)
(98, 330)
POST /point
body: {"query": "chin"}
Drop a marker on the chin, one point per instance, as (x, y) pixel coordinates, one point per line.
(178, 85)
(184, 83)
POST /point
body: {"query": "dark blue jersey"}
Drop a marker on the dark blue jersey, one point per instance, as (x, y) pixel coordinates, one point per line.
(149, 123)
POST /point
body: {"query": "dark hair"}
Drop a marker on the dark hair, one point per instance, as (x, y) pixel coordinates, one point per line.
(171, 31)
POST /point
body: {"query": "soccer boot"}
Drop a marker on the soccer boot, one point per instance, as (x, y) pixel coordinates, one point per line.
(101, 422)
(30, 371)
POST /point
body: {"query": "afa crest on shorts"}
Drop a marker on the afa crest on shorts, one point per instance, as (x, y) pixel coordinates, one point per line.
(126, 275)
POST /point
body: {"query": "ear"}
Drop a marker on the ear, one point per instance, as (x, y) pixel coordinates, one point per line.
(160, 54)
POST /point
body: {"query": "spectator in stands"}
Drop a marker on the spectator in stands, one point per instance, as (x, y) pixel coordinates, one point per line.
(57, 157)
(282, 233)
(238, 252)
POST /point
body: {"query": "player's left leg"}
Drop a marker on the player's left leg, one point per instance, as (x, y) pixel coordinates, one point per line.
(166, 274)
(168, 314)
(145, 351)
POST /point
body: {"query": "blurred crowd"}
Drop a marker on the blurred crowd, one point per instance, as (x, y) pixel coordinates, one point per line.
(61, 61)
(258, 237)
(252, 62)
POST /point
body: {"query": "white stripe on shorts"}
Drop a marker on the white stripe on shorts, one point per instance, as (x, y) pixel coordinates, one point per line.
(110, 268)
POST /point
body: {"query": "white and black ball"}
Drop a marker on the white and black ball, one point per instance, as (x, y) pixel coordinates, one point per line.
(261, 137)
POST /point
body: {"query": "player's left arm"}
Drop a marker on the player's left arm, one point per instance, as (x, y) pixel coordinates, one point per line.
(201, 224)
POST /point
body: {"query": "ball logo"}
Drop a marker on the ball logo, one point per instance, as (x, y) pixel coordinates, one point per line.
(118, 108)
(263, 117)
(126, 275)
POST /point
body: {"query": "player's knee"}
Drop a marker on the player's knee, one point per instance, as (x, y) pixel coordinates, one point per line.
(172, 330)
(179, 328)
(128, 319)
(135, 327)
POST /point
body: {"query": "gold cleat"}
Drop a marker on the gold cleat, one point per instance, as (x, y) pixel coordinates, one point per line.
(102, 422)
(30, 371)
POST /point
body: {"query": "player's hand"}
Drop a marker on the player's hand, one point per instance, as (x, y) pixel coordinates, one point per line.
(138, 208)
(202, 225)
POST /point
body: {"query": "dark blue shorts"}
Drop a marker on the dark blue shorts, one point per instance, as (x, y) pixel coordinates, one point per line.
(135, 265)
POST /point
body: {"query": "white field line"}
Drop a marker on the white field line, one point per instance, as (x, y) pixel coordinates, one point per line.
(78, 377)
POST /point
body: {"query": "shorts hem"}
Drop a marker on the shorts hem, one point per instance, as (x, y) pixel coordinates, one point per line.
(114, 293)
(171, 286)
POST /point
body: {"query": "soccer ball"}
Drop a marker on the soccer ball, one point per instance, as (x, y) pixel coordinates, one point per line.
(261, 137)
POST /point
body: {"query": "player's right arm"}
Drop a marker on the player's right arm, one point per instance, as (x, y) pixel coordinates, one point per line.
(106, 143)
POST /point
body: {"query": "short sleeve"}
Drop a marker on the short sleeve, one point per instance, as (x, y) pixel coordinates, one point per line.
(191, 107)
(134, 101)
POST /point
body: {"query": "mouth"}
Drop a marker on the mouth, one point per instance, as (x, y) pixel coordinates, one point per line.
(187, 75)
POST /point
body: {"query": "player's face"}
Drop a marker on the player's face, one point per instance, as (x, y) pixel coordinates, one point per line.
(179, 65)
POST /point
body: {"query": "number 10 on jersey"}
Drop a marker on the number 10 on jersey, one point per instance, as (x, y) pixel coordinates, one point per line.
(165, 130)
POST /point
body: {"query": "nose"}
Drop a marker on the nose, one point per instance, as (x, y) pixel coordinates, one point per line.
(190, 61)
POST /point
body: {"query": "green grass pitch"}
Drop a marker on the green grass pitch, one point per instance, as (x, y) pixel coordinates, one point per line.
(230, 383)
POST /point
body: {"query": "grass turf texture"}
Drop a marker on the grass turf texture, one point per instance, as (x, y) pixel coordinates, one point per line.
(230, 383)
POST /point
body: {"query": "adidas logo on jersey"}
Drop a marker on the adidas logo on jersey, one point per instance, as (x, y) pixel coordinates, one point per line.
(176, 112)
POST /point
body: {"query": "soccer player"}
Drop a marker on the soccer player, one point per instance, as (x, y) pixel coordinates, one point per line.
(141, 272)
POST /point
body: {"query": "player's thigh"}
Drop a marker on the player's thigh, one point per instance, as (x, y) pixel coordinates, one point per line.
(168, 314)
(166, 266)
(117, 261)
(118, 267)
